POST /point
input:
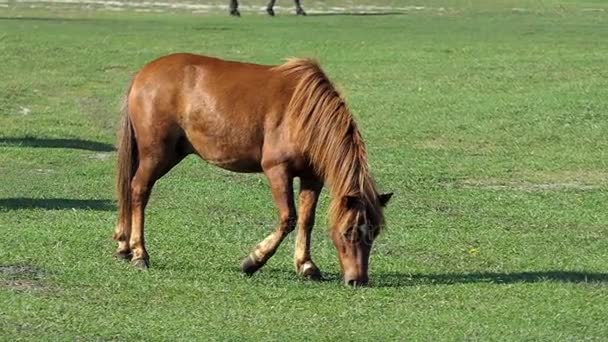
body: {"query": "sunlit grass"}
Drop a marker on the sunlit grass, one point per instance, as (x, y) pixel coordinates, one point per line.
(488, 123)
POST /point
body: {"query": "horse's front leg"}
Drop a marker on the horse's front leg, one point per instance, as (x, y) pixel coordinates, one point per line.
(310, 189)
(281, 184)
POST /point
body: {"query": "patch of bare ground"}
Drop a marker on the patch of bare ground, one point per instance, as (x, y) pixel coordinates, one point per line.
(447, 143)
(538, 181)
(99, 113)
(22, 278)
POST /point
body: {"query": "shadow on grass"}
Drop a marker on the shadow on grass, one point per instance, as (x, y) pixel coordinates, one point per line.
(354, 14)
(57, 143)
(290, 274)
(403, 280)
(55, 204)
(50, 19)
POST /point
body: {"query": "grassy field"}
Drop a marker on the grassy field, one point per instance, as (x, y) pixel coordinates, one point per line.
(489, 122)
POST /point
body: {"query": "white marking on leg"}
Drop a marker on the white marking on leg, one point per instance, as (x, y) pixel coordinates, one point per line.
(306, 266)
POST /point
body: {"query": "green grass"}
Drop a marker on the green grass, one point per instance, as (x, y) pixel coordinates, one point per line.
(490, 125)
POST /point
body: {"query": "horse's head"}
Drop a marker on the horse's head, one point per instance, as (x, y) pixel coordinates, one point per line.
(361, 220)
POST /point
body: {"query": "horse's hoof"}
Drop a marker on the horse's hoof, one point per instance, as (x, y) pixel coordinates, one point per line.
(235, 13)
(312, 274)
(141, 264)
(300, 11)
(249, 266)
(123, 255)
(270, 12)
(309, 271)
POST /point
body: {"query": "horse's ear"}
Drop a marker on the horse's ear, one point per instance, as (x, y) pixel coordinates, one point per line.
(383, 198)
(351, 202)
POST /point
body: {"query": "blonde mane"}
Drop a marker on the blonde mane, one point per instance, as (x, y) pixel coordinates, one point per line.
(324, 127)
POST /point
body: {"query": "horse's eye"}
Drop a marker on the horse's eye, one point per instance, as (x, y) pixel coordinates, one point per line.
(350, 234)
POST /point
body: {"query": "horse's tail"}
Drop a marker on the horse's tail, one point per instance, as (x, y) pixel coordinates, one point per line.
(126, 165)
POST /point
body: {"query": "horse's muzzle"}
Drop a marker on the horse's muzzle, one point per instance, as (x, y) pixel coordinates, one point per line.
(355, 282)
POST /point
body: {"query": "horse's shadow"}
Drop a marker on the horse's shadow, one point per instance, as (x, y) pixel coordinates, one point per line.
(18, 203)
(395, 280)
(53, 19)
(28, 141)
(404, 280)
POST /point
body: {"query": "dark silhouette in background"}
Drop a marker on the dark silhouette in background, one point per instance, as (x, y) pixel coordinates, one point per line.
(234, 8)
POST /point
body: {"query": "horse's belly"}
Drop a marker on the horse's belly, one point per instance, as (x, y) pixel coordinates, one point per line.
(236, 164)
(228, 137)
(239, 154)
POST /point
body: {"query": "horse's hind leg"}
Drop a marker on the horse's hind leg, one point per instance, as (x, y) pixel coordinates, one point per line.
(234, 8)
(269, 8)
(299, 9)
(281, 183)
(155, 160)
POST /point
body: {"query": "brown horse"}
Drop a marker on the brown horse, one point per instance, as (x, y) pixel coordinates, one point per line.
(286, 121)
(234, 8)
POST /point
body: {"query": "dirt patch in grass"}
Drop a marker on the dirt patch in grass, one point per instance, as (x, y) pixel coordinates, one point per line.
(22, 285)
(526, 186)
(582, 177)
(101, 114)
(21, 278)
(449, 144)
(102, 155)
(539, 181)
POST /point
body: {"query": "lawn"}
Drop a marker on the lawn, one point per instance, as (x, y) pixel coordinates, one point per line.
(488, 122)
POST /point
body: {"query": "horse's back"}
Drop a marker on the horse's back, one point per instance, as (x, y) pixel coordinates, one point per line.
(221, 107)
